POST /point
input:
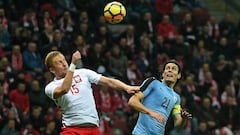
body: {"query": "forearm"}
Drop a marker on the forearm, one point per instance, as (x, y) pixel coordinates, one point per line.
(116, 84)
(137, 105)
(67, 82)
(180, 124)
(66, 85)
(141, 108)
(181, 119)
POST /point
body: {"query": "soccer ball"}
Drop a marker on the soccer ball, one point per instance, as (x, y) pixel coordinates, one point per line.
(114, 12)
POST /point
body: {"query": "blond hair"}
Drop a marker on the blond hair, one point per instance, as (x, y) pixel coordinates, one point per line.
(49, 58)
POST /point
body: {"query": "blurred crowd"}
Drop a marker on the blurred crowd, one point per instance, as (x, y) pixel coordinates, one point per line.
(153, 32)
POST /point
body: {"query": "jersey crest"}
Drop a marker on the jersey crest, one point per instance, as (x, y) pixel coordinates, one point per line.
(175, 99)
(77, 79)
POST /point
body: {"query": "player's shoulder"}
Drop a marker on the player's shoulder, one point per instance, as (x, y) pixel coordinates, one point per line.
(84, 70)
(50, 84)
(150, 79)
(176, 94)
(147, 82)
(81, 69)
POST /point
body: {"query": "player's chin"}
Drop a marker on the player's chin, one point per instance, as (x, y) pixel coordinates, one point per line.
(169, 80)
(63, 75)
(64, 71)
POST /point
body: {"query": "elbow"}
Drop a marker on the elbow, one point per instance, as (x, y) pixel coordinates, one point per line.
(131, 102)
(65, 90)
(66, 86)
(58, 93)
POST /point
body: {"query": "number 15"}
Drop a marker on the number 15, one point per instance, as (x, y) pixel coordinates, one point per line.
(74, 89)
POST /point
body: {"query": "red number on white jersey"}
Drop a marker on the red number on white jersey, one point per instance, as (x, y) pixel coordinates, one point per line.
(74, 89)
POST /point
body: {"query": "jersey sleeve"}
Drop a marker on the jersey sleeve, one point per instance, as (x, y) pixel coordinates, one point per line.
(146, 86)
(49, 90)
(93, 76)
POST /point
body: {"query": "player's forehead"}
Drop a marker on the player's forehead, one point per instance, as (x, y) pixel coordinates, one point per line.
(58, 57)
(171, 65)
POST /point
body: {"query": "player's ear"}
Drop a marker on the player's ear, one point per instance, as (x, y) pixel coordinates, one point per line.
(51, 70)
(179, 75)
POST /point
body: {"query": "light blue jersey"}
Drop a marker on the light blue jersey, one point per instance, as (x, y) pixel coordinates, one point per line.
(159, 98)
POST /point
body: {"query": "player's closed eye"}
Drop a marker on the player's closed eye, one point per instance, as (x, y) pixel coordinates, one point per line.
(60, 62)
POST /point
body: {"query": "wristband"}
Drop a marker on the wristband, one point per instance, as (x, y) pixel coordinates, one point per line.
(72, 67)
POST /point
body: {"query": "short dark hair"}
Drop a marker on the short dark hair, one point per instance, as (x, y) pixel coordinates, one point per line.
(175, 62)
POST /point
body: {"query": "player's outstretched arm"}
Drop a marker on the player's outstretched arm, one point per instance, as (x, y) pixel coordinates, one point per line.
(117, 84)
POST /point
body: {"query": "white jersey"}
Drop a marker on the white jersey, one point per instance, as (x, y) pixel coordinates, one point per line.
(78, 105)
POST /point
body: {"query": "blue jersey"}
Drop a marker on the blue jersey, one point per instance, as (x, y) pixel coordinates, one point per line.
(159, 98)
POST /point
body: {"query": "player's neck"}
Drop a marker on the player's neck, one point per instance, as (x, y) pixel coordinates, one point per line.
(59, 77)
(169, 84)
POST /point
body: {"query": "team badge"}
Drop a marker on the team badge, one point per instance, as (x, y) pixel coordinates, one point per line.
(77, 79)
(175, 99)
